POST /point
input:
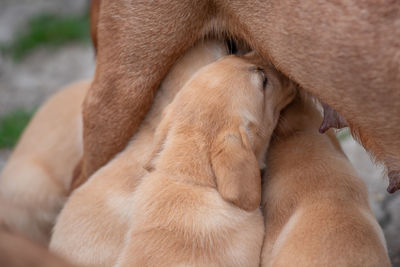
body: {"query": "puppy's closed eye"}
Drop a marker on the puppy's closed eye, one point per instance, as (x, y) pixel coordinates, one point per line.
(261, 72)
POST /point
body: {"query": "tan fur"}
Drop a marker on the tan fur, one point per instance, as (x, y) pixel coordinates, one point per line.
(344, 52)
(16, 251)
(315, 207)
(36, 179)
(91, 227)
(199, 205)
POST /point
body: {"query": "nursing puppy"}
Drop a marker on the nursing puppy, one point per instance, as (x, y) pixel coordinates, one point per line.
(352, 45)
(91, 228)
(199, 204)
(315, 206)
(36, 179)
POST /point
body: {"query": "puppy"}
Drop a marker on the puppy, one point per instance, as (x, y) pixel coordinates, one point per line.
(91, 228)
(352, 45)
(36, 179)
(315, 207)
(199, 205)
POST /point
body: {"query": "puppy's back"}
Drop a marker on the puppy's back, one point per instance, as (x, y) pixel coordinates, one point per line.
(316, 207)
(98, 213)
(36, 178)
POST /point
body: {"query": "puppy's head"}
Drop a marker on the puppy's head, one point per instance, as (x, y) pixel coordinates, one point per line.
(235, 103)
(250, 97)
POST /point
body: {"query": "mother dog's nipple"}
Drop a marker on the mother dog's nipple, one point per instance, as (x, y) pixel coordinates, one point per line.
(332, 119)
(394, 181)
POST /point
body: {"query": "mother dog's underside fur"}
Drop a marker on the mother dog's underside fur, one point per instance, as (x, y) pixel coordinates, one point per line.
(346, 53)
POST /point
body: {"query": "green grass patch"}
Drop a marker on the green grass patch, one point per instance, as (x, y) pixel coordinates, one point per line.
(50, 30)
(12, 125)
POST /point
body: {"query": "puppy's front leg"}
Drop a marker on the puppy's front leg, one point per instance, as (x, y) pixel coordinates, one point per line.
(137, 44)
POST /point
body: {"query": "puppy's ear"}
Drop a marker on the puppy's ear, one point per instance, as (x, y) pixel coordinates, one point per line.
(236, 170)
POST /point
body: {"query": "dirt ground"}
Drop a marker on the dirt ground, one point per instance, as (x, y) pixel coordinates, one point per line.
(28, 83)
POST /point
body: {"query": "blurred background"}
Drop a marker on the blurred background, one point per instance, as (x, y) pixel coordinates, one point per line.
(45, 45)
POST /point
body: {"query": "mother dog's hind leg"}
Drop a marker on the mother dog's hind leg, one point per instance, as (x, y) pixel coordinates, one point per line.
(137, 44)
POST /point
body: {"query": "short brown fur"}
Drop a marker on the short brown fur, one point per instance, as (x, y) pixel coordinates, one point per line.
(315, 206)
(346, 53)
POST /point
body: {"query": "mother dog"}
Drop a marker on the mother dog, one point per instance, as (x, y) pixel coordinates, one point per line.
(345, 52)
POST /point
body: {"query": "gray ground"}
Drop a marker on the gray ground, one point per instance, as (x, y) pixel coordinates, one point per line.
(14, 13)
(29, 82)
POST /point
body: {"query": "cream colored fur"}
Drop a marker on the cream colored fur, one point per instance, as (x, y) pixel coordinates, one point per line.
(199, 203)
(92, 226)
(36, 179)
(315, 206)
